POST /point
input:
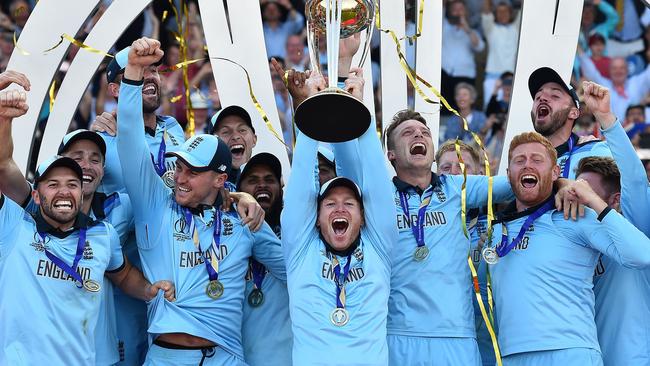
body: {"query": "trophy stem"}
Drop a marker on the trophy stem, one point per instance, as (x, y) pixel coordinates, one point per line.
(333, 30)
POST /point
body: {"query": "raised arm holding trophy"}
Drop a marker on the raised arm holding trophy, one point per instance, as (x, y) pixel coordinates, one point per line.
(334, 115)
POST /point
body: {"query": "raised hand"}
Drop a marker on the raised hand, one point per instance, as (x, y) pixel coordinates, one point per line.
(13, 103)
(144, 52)
(596, 98)
(10, 76)
(105, 122)
(354, 83)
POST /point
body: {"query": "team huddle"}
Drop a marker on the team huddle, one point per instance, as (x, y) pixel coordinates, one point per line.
(136, 246)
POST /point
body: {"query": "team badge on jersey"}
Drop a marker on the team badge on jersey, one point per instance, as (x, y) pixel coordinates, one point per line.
(88, 251)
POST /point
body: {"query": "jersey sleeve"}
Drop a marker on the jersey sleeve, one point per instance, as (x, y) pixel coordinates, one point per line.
(611, 234)
(477, 189)
(363, 160)
(116, 260)
(268, 251)
(635, 202)
(11, 215)
(146, 190)
(298, 218)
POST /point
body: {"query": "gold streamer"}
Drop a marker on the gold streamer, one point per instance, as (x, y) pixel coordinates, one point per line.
(176, 98)
(484, 314)
(414, 78)
(164, 15)
(22, 51)
(257, 104)
(79, 44)
(51, 93)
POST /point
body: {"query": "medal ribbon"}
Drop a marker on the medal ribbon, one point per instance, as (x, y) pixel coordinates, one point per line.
(70, 270)
(567, 162)
(340, 283)
(504, 248)
(418, 227)
(259, 272)
(212, 265)
(160, 164)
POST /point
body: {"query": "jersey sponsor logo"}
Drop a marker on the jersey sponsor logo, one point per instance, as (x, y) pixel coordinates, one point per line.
(431, 218)
(195, 258)
(355, 274)
(46, 268)
(88, 251)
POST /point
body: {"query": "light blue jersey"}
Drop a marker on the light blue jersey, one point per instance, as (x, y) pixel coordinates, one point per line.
(166, 127)
(310, 268)
(477, 227)
(415, 307)
(130, 313)
(543, 287)
(116, 210)
(168, 251)
(266, 327)
(46, 318)
(622, 294)
(577, 152)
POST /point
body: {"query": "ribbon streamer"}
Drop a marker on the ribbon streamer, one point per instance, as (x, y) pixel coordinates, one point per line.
(16, 46)
(79, 44)
(51, 94)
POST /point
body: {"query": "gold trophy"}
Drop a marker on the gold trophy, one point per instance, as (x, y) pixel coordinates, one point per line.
(334, 115)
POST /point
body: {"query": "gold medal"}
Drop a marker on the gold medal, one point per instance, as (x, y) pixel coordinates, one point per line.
(91, 285)
(490, 255)
(421, 253)
(214, 289)
(168, 178)
(339, 317)
(256, 298)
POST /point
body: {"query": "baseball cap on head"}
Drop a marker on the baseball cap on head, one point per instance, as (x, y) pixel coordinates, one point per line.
(203, 153)
(265, 159)
(82, 134)
(339, 182)
(118, 64)
(233, 110)
(545, 75)
(57, 161)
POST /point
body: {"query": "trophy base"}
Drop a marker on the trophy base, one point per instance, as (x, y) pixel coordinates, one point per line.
(332, 115)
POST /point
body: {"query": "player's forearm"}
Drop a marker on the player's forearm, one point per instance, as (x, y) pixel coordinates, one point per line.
(132, 282)
(12, 181)
(635, 203)
(629, 246)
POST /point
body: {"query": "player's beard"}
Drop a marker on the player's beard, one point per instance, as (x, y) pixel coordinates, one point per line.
(557, 121)
(150, 106)
(58, 217)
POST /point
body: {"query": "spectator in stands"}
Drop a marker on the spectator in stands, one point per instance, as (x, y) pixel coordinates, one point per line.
(297, 58)
(597, 50)
(625, 40)
(624, 90)
(459, 43)
(280, 20)
(465, 96)
(499, 102)
(501, 30)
